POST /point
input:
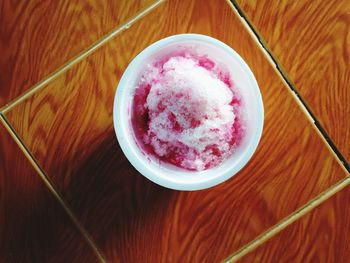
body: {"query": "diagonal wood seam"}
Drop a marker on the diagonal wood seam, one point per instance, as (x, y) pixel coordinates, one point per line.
(313, 203)
(49, 185)
(288, 220)
(36, 88)
(289, 85)
(71, 62)
(260, 239)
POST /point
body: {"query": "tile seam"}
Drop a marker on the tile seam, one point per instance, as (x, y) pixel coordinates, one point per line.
(291, 88)
(76, 59)
(49, 185)
(317, 126)
(268, 234)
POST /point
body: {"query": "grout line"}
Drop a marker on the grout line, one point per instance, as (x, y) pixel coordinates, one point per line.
(323, 134)
(260, 239)
(288, 220)
(78, 58)
(49, 184)
(291, 87)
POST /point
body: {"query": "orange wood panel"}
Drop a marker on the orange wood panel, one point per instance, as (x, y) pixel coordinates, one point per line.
(68, 127)
(311, 39)
(33, 225)
(37, 37)
(322, 235)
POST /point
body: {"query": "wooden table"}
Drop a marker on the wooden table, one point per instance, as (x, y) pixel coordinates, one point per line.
(68, 194)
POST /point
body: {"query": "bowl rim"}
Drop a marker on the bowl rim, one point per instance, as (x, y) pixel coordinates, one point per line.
(144, 166)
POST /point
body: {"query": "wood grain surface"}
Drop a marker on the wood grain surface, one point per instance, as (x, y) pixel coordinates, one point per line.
(323, 235)
(68, 127)
(33, 226)
(37, 37)
(311, 40)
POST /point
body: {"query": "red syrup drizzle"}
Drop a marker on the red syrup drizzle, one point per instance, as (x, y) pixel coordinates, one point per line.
(176, 154)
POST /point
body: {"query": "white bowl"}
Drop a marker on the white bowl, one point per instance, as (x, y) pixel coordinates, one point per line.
(169, 175)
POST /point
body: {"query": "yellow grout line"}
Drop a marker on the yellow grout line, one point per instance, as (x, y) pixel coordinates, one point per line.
(288, 220)
(314, 202)
(293, 93)
(244, 250)
(78, 58)
(47, 182)
(41, 84)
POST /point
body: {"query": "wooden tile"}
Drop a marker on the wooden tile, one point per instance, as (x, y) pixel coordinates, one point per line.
(68, 127)
(322, 235)
(33, 225)
(37, 37)
(311, 40)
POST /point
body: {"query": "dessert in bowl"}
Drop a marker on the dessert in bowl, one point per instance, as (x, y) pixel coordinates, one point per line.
(188, 112)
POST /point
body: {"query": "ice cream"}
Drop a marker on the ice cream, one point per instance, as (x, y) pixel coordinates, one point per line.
(187, 112)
